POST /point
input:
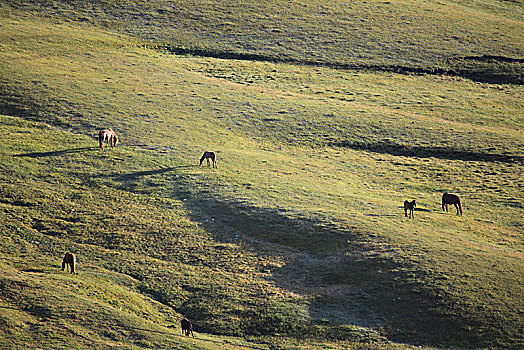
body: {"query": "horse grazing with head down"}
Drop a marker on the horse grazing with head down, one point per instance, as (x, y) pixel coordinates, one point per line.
(410, 206)
(107, 136)
(187, 327)
(69, 260)
(448, 198)
(209, 155)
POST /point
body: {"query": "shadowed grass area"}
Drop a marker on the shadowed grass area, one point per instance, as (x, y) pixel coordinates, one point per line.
(299, 233)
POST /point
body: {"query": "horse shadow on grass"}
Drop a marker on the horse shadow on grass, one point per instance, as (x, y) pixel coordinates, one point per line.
(54, 153)
(349, 276)
(123, 178)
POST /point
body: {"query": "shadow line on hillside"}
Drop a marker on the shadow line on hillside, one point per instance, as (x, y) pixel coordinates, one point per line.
(485, 74)
(139, 174)
(54, 153)
(428, 152)
(321, 257)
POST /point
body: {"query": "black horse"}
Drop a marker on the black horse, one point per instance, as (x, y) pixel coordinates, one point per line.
(187, 327)
(448, 198)
(69, 261)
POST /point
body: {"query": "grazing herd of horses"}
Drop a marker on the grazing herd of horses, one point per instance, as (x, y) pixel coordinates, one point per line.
(69, 263)
(447, 198)
(108, 136)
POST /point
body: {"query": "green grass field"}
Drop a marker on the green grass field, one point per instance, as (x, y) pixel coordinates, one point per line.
(325, 117)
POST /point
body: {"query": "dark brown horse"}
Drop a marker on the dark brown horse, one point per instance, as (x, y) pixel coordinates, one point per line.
(187, 327)
(107, 136)
(448, 198)
(69, 260)
(209, 155)
(411, 207)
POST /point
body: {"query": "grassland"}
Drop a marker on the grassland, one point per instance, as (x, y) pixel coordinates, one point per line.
(297, 240)
(402, 35)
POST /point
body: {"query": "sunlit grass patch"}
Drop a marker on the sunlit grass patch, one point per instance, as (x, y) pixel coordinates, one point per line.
(299, 232)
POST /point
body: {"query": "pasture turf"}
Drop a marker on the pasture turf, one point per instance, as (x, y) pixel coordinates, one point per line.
(297, 240)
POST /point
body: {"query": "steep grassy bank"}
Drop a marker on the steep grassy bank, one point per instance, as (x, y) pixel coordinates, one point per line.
(299, 230)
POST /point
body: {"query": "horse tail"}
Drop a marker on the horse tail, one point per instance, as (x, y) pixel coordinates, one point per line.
(459, 205)
(73, 263)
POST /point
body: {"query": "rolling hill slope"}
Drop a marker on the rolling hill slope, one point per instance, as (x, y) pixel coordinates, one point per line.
(477, 39)
(299, 233)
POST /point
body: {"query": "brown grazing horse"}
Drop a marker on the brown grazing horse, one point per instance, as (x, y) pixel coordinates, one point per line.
(448, 198)
(187, 327)
(69, 260)
(109, 136)
(209, 155)
(411, 207)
